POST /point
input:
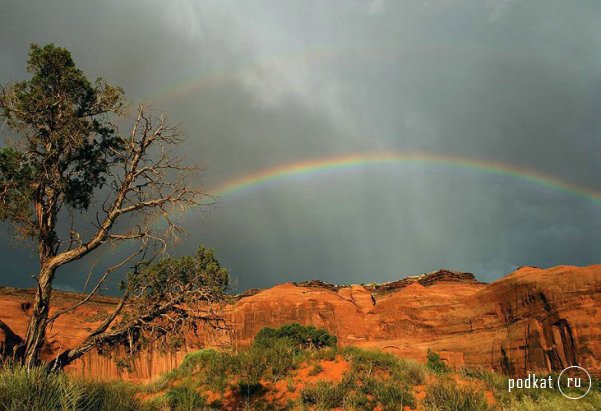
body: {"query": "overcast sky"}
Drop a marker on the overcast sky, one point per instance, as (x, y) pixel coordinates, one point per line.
(258, 84)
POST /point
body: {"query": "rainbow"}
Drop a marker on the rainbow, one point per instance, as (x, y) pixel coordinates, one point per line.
(348, 162)
(223, 74)
(308, 168)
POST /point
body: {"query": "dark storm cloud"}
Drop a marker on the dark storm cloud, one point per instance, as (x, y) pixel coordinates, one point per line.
(257, 84)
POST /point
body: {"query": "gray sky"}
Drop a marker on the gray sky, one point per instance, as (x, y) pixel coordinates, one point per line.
(263, 83)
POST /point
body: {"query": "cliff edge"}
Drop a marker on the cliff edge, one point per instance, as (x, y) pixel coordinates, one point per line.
(530, 320)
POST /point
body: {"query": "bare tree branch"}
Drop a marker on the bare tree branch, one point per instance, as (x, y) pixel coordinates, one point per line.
(96, 288)
(68, 153)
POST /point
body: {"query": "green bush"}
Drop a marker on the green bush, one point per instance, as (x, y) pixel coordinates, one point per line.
(251, 365)
(550, 403)
(370, 360)
(211, 365)
(358, 401)
(446, 395)
(249, 388)
(183, 398)
(324, 395)
(435, 363)
(280, 357)
(158, 403)
(305, 337)
(356, 391)
(244, 370)
(109, 396)
(328, 353)
(391, 394)
(411, 372)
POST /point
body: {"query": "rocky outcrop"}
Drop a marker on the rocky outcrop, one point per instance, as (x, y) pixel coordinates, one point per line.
(8, 340)
(531, 320)
(425, 280)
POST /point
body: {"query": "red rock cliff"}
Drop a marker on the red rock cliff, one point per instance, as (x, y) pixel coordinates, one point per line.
(532, 319)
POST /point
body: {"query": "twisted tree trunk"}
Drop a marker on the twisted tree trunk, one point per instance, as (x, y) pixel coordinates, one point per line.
(36, 330)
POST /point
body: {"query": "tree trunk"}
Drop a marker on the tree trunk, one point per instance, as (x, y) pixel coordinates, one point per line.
(45, 210)
(36, 331)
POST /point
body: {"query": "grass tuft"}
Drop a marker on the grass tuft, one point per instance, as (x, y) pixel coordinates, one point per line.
(446, 395)
(36, 389)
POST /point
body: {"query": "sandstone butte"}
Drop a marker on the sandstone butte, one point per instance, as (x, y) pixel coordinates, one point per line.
(533, 319)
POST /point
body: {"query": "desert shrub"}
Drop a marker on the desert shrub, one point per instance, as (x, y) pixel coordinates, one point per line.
(249, 388)
(497, 383)
(199, 361)
(108, 396)
(305, 337)
(391, 394)
(529, 399)
(411, 372)
(36, 389)
(184, 398)
(324, 395)
(384, 375)
(551, 403)
(212, 365)
(370, 360)
(446, 395)
(435, 363)
(195, 359)
(209, 366)
(280, 358)
(357, 400)
(493, 380)
(328, 353)
(158, 403)
(250, 366)
(272, 362)
(548, 400)
(243, 370)
(22, 389)
(159, 384)
(356, 391)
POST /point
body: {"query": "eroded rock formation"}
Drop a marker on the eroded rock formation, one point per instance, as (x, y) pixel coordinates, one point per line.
(530, 320)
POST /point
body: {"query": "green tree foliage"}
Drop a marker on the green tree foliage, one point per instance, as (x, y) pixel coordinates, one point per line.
(65, 153)
(68, 142)
(166, 300)
(435, 363)
(172, 276)
(304, 336)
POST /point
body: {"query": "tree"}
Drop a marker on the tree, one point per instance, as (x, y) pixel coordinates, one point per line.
(66, 154)
(303, 336)
(164, 300)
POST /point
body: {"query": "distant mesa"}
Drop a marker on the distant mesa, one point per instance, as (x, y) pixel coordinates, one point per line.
(426, 279)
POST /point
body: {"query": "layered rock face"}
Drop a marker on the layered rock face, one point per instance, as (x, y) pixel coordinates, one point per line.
(531, 320)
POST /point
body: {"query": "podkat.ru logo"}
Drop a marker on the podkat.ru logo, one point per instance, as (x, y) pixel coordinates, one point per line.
(573, 382)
